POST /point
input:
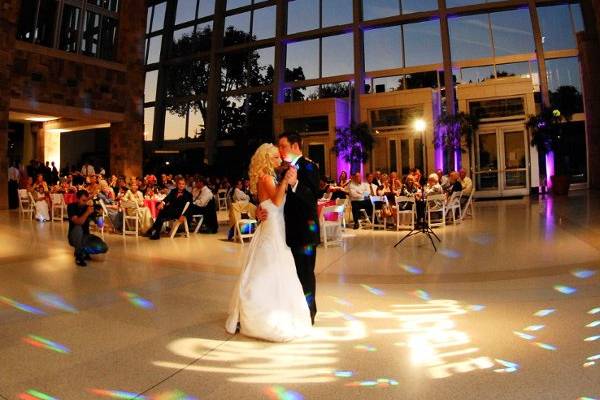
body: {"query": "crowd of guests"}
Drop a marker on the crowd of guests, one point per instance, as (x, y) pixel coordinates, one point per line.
(358, 189)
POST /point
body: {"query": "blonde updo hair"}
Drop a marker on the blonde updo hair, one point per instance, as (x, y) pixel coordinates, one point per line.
(261, 165)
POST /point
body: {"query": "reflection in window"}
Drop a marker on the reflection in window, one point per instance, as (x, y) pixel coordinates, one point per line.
(564, 84)
(421, 80)
(558, 32)
(46, 21)
(186, 11)
(303, 15)
(338, 55)
(175, 126)
(266, 60)
(231, 4)
(180, 33)
(91, 34)
(108, 37)
(383, 48)
(206, 8)
(263, 23)
(150, 86)
(415, 53)
(337, 12)
(238, 22)
(470, 37)
(195, 125)
(304, 55)
(413, 6)
(387, 84)
(373, 9)
(111, 5)
(521, 70)
(154, 46)
(476, 74)
(148, 123)
(158, 17)
(460, 3)
(25, 27)
(512, 32)
(301, 93)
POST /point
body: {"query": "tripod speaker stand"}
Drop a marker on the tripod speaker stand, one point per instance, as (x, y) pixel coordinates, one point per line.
(424, 229)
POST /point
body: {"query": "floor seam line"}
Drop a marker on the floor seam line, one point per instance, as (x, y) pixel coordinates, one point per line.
(141, 394)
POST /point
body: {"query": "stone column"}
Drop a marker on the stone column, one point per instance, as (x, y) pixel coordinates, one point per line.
(127, 137)
(8, 16)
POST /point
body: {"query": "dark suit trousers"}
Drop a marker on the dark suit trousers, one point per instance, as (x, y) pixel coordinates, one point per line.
(305, 259)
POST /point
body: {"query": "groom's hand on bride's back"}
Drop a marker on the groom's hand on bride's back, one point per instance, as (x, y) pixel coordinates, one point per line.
(261, 214)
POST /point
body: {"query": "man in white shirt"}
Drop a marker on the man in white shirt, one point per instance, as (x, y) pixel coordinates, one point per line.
(359, 192)
(88, 169)
(13, 186)
(467, 183)
(238, 193)
(204, 204)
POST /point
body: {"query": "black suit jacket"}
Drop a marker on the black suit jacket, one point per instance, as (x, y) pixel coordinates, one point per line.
(175, 203)
(300, 212)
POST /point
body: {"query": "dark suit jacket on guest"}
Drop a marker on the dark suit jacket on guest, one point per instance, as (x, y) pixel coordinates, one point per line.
(175, 204)
(300, 212)
(456, 187)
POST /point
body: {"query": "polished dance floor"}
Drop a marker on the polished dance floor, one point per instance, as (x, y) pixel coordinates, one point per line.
(508, 308)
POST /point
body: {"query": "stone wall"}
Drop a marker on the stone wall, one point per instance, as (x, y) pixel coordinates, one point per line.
(8, 17)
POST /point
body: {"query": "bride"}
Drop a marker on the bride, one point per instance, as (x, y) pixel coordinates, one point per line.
(268, 301)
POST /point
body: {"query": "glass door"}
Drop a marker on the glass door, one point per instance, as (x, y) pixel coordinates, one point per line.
(406, 152)
(502, 162)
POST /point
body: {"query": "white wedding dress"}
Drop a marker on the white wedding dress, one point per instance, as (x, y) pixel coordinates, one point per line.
(268, 300)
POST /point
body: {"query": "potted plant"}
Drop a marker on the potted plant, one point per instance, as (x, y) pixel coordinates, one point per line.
(354, 144)
(546, 131)
(454, 130)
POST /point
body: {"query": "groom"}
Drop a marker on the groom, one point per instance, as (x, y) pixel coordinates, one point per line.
(300, 212)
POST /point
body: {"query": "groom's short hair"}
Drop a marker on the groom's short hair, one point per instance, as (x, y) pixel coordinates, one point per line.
(292, 137)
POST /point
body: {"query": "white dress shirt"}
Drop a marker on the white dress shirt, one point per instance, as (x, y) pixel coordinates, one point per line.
(202, 196)
(239, 195)
(13, 174)
(467, 185)
(358, 191)
(88, 170)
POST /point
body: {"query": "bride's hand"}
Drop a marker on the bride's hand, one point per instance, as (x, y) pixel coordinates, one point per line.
(291, 176)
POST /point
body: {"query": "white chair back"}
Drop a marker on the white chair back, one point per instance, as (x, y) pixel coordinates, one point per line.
(222, 199)
(185, 223)
(131, 214)
(405, 210)
(436, 204)
(453, 207)
(331, 230)
(467, 209)
(26, 204)
(378, 219)
(58, 206)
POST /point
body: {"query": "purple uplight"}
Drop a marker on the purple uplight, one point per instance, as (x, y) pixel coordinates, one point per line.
(549, 168)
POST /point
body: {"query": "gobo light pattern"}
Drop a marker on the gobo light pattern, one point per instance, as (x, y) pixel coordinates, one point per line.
(545, 346)
(372, 290)
(281, 393)
(583, 273)
(21, 306)
(365, 347)
(509, 366)
(381, 382)
(565, 289)
(423, 295)
(55, 301)
(43, 343)
(412, 269)
(544, 313)
(594, 311)
(121, 394)
(137, 301)
(533, 328)
(33, 394)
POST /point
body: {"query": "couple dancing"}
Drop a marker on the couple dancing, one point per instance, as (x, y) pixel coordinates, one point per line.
(274, 298)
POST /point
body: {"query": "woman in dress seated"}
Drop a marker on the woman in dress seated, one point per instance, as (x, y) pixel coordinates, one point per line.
(40, 194)
(134, 195)
(340, 190)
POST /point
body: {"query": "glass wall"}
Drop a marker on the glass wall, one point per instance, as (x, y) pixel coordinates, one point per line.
(79, 26)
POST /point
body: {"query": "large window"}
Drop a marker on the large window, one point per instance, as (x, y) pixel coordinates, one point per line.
(559, 24)
(373, 9)
(303, 15)
(87, 27)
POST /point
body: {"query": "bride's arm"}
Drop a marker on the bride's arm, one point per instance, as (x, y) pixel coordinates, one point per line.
(274, 192)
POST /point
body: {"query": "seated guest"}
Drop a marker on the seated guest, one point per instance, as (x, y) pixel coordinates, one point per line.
(377, 178)
(372, 186)
(385, 189)
(121, 188)
(340, 189)
(204, 204)
(410, 189)
(133, 195)
(106, 193)
(93, 186)
(455, 185)
(324, 189)
(171, 208)
(40, 194)
(395, 183)
(466, 182)
(443, 180)
(433, 187)
(358, 191)
(238, 192)
(80, 214)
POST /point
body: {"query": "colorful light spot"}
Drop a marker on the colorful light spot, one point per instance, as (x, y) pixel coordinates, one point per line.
(116, 394)
(565, 289)
(421, 294)
(592, 338)
(345, 316)
(309, 250)
(341, 301)
(583, 273)
(173, 395)
(365, 347)
(412, 269)
(137, 301)
(344, 374)
(593, 324)
(381, 382)
(55, 301)
(594, 358)
(509, 367)
(594, 311)
(372, 290)
(450, 253)
(533, 328)
(483, 239)
(43, 343)
(33, 394)
(545, 346)
(476, 307)
(589, 364)
(586, 398)
(544, 313)
(20, 306)
(312, 226)
(525, 336)
(281, 393)
(248, 228)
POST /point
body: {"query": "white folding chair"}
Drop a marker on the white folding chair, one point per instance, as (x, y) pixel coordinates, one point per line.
(405, 208)
(185, 224)
(436, 204)
(347, 210)
(453, 206)
(467, 209)
(26, 204)
(378, 220)
(248, 233)
(58, 206)
(200, 219)
(131, 213)
(222, 199)
(331, 231)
